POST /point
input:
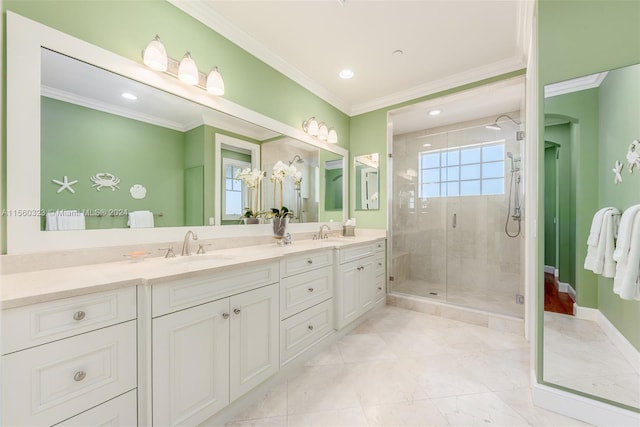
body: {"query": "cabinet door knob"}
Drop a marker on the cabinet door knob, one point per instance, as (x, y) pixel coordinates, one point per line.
(310, 327)
(79, 315)
(380, 264)
(309, 261)
(236, 310)
(79, 376)
(225, 315)
(379, 288)
(310, 289)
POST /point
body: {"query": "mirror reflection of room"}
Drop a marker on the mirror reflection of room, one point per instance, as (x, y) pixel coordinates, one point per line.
(367, 185)
(591, 307)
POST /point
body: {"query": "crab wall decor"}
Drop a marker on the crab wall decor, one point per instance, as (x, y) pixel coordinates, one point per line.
(105, 179)
(633, 155)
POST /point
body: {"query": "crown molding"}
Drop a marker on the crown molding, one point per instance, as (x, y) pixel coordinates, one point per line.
(574, 85)
(208, 16)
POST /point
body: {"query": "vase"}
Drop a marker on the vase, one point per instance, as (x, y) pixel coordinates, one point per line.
(251, 220)
(279, 229)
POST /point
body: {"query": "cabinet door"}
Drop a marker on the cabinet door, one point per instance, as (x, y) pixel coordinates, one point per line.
(254, 338)
(366, 284)
(347, 294)
(191, 364)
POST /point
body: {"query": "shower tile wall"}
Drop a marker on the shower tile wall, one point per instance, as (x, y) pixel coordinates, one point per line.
(474, 264)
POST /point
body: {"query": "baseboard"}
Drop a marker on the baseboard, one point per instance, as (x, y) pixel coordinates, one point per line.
(627, 349)
(582, 408)
(567, 289)
(586, 313)
(550, 269)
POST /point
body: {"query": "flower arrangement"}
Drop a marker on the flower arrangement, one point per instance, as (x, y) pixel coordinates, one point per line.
(280, 172)
(251, 179)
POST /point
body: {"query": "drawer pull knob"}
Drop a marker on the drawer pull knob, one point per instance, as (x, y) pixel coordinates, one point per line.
(79, 376)
(79, 315)
(310, 289)
(309, 261)
(380, 264)
(310, 327)
(236, 310)
(225, 315)
(379, 288)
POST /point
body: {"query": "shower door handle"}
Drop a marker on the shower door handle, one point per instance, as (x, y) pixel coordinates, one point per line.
(455, 220)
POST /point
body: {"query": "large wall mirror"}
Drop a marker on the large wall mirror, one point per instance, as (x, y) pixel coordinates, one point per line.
(367, 183)
(108, 144)
(591, 329)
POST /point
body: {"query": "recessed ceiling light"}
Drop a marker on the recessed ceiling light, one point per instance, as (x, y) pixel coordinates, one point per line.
(129, 96)
(346, 74)
(434, 112)
(427, 145)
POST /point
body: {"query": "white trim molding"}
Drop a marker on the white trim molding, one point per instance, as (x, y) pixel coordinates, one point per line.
(582, 408)
(574, 85)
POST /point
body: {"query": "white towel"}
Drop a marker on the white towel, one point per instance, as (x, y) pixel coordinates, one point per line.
(51, 221)
(140, 219)
(70, 220)
(596, 226)
(627, 281)
(624, 233)
(600, 251)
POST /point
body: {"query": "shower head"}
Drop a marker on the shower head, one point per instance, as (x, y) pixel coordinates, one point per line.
(496, 126)
(296, 159)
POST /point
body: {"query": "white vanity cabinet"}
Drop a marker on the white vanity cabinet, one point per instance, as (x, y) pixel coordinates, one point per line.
(306, 302)
(225, 343)
(358, 284)
(64, 357)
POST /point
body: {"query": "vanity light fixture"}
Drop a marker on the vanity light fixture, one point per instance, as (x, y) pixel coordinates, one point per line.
(332, 138)
(155, 57)
(321, 130)
(188, 70)
(310, 126)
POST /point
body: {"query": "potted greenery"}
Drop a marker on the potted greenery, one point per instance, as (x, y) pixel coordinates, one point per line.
(280, 214)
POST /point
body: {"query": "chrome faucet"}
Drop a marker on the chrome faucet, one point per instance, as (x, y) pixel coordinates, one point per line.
(324, 235)
(186, 249)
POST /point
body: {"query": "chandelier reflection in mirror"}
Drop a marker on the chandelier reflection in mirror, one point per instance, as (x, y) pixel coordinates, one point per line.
(155, 57)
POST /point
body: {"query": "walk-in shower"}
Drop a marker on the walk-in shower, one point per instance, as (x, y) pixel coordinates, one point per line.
(452, 187)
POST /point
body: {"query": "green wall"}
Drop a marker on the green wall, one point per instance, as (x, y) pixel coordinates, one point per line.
(80, 142)
(577, 38)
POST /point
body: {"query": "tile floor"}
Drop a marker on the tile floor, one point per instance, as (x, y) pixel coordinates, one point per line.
(405, 368)
(579, 355)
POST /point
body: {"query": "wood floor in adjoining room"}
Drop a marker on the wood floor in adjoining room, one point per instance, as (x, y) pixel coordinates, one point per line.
(406, 368)
(554, 301)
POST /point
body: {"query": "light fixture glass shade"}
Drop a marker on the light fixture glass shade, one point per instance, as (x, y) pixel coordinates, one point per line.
(215, 84)
(155, 55)
(188, 70)
(332, 138)
(323, 132)
(310, 126)
(493, 126)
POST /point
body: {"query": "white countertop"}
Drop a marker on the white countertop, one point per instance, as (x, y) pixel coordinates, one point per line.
(39, 286)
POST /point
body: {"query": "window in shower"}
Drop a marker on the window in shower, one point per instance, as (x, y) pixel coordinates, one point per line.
(462, 171)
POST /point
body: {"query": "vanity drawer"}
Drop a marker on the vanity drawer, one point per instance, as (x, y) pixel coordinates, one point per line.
(307, 262)
(119, 412)
(380, 245)
(352, 253)
(304, 290)
(36, 324)
(299, 332)
(379, 263)
(51, 383)
(180, 294)
(379, 290)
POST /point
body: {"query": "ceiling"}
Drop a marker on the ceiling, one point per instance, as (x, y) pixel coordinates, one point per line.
(445, 43)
